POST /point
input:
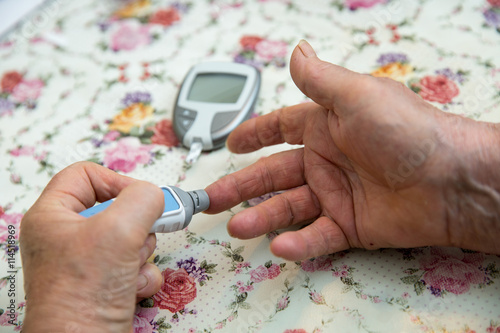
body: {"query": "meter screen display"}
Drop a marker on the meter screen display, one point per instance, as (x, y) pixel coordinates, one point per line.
(216, 88)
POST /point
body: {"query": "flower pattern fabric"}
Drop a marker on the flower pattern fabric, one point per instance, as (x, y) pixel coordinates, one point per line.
(97, 80)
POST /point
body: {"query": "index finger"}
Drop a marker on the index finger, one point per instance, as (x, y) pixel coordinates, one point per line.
(281, 171)
(283, 125)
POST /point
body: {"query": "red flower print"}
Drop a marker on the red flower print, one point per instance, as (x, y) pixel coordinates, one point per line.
(178, 289)
(452, 270)
(10, 80)
(300, 330)
(494, 3)
(165, 17)
(249, 42)
(437, 89)
(164, 134)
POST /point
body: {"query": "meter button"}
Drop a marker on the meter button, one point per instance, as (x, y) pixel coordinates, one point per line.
(188, 114)
(185, 119)
(186, 123)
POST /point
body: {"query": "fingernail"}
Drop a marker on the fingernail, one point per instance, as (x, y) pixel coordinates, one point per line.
(306, 49)
(151, 258)
(142, 282)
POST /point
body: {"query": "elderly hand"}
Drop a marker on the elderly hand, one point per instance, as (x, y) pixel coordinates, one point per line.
(379, 168)
(84, 275)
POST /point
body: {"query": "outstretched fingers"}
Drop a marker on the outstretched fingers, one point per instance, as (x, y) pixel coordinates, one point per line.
(280, 171)
(288, 208)
(323, 236)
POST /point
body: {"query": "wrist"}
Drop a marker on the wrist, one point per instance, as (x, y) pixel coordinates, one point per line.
(62, 309)
(473, 212)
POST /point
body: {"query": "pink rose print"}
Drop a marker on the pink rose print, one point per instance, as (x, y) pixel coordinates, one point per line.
(452, 270)
(355, 4)
(323, 263)
(164, 134)
(300, 330)
(111, 136)
(262, 273)
(269, 50)
(129, 36)
(283, 303)
(437, 89)
(27, 90)
(7, 318)
(178, 289)
(127, 154)
(6, 220)
(273, 271)
(22, 151)
(259, 274)
(143, 319)
(317, 298)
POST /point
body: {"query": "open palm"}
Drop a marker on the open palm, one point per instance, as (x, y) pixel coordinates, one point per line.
(372, 172)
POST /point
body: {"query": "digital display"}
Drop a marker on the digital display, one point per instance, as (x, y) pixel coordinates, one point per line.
(217, 88)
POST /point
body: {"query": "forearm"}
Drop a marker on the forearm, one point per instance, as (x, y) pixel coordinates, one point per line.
(473, 213)
(66, 316)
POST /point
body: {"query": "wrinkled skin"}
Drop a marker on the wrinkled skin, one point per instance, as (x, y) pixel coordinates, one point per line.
(379, 167)
(85, 275)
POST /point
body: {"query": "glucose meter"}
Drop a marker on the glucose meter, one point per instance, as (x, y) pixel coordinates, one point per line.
(214, 98)
(180, 206)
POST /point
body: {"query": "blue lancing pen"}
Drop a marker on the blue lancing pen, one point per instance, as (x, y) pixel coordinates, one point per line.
(180, 206)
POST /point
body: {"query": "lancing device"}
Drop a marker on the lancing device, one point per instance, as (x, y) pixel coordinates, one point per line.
(180, 206)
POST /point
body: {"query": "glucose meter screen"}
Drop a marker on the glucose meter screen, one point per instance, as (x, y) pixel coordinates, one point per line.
(217, 88)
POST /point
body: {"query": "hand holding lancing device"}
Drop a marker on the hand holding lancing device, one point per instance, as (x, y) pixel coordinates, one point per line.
(85, 274)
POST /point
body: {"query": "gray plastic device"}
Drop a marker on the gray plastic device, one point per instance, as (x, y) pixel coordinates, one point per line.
(179, 208)
(214, 98)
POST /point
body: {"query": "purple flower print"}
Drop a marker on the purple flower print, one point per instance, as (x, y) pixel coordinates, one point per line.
(457, 77)
(6, 106)
(189, 264)
(191, 267)
(492, 17)
(389, 58)
(136, 97)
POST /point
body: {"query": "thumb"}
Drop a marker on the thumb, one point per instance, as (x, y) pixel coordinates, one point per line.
(136, 208)
(333, 87)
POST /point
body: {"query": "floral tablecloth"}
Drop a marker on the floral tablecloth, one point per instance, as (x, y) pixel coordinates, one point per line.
(96, 80)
